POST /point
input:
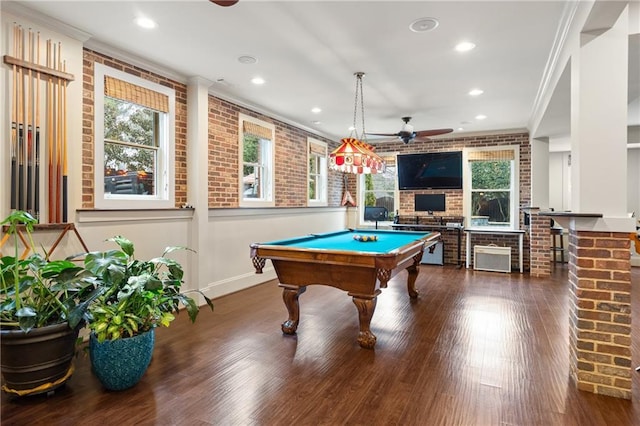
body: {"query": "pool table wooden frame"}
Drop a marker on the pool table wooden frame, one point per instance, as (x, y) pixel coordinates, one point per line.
(362, 274)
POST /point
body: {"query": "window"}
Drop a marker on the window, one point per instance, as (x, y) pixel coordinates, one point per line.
(256, 164)
(134, 141)
(491, 187)
(317, 160)
(379, 193)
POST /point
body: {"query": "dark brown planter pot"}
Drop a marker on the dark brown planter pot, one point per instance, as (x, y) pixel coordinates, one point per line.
(38, 361)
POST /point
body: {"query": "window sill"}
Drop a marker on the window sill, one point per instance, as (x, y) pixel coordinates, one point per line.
(119, 215)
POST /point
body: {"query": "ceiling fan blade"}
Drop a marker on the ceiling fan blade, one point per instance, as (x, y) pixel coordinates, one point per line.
(434, 132)
(224, 3)
(382, 134)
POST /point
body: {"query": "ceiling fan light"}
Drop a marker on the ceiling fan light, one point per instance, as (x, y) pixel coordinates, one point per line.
(407, 128)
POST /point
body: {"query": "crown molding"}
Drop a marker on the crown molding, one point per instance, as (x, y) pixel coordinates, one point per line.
(21, 11)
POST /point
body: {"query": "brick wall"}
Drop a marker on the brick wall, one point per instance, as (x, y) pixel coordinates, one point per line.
(454, 197)
(600, 317)
(90, 57)
(540, 246)
(290, 159)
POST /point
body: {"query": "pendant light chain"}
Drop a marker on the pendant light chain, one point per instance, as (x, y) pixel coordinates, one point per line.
(360, 96)
(355, 155)
(359, 77)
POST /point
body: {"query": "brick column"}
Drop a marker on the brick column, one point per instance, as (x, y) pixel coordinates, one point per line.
(539, 246)
(600, 316)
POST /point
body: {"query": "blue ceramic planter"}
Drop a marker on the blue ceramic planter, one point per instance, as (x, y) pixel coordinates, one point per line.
(120, 364)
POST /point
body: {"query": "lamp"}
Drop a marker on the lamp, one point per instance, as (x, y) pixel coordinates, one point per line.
(354, 155)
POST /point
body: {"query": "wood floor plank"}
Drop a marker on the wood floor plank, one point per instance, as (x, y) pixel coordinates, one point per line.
(475, 348)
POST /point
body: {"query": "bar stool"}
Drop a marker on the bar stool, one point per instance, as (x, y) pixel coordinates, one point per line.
(557, 247)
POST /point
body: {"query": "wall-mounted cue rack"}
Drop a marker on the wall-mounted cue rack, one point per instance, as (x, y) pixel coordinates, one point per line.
(30, 81)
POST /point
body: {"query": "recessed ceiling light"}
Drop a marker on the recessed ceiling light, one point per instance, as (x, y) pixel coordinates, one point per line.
(465, 46)
(351, 128)
(480, 117)
(476, 92)
(423, 25)
(247, 59)
(316, 122)
(257, 80)
(145, 23)
(460, 129)
(316, 110)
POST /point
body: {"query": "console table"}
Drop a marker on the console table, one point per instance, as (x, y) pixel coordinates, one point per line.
(497, 231)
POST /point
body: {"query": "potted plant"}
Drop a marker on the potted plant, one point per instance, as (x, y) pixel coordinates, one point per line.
(42, 306)
(140, 296)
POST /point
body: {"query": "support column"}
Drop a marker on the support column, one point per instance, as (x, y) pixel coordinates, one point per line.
(539, 246)
(600, 315)
(599, 86)
(198, 174)
(599, 266)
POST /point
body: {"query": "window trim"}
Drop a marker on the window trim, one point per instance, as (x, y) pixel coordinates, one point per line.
(514, 190)
(165, 167)
(323, 173)
(269, 200)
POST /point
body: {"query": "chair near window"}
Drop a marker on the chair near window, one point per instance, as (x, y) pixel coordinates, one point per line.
(557, 242)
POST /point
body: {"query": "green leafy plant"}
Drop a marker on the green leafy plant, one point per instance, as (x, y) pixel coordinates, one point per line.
(36, 292)
(139, 295)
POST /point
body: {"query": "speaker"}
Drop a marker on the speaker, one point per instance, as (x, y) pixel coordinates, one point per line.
(492, 258)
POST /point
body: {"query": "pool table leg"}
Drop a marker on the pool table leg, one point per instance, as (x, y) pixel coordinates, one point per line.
(290, 296)
(366, 307)
(411, 280)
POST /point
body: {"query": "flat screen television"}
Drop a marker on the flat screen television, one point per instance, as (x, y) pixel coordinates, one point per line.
(430, 203)
(430, 170)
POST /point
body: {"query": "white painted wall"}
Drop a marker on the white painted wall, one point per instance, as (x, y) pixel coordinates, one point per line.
(227, 233)
(231, 232)
(540, 193)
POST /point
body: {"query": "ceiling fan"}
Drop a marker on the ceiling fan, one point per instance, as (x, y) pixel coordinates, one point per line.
(224, 3)
(407, 134)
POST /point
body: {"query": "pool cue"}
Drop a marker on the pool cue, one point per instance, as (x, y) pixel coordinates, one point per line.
(14, 123)
(59, 140)
(21, 143)
(50, 132)
(36, 206)
(29, 127)
(64, 146)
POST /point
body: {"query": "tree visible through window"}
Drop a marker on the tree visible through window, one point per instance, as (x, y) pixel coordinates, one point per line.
(256, 147)
(380, 190)
(134, 141)
(253, 169)
(317, 172)
(493, 191)
(130, 147)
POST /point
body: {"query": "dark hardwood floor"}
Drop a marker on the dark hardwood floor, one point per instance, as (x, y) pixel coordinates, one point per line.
(476, 348)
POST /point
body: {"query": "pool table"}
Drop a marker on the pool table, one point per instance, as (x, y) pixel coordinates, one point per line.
(339, 260)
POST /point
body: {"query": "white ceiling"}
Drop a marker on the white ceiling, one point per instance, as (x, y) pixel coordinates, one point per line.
(308, 51)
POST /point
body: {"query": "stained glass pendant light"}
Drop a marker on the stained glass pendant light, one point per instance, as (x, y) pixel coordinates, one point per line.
(355, 155)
